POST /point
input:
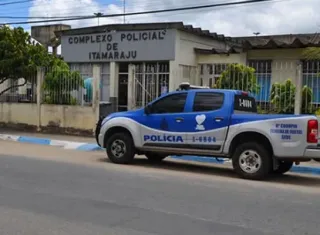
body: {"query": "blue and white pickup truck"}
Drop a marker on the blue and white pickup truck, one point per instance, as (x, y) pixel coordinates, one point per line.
(211, 123)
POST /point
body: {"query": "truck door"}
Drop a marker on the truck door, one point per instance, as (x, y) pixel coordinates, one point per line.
(207, 120)
(164, 126)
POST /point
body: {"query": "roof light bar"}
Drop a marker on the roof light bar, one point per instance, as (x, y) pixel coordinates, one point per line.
(188, 86)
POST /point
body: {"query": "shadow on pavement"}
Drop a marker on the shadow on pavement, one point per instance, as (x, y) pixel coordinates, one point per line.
(222, 170)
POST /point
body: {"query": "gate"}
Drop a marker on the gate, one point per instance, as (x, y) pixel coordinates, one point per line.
(123, 93)
(150, 80)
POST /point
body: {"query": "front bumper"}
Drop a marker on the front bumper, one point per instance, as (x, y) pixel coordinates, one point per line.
(312, 152)
(97, 130)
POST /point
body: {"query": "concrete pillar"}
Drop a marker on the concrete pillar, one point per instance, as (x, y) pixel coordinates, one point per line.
(174, 76)
(198, 76)
(96, 90)
(40, 78)
(131, 87)
(114, 82)
(298, 95)
(243, 58)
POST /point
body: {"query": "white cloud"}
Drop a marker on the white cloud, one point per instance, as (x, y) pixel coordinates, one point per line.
(278, 17)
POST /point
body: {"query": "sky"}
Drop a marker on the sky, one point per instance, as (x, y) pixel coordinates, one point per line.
(274, 17)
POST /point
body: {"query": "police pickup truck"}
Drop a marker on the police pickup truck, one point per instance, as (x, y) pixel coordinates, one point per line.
(211, 123)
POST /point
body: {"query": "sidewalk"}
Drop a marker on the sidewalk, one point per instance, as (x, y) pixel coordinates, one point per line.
(89, 144)
(51, 136)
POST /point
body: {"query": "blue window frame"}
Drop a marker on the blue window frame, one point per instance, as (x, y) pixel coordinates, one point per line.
(311, 77)
(263, 71)
(313, 81)
(264, 82)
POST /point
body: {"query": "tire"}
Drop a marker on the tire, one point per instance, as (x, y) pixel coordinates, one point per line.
(284, 166)
(154, 157)
(120, 148)
(256, 153)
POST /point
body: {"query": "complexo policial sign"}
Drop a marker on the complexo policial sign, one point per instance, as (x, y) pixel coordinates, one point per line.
(119, 46)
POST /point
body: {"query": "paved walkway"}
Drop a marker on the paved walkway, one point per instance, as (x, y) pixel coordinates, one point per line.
(51, 136)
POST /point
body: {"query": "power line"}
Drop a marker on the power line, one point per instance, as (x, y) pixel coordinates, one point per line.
(38, 10)
(46, 17)
(72, 18)
(15, 2)
(145, 4)
(42, 6)
(83, 5)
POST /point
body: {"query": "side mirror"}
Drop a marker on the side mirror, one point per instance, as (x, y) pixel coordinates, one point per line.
(148, 109)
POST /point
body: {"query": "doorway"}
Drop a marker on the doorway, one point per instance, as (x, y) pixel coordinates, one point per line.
(123, 92)
(123, 87)
(151, 80)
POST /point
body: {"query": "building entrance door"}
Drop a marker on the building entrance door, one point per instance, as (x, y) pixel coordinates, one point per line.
(123, 92)
(123, 86)
(150, 81)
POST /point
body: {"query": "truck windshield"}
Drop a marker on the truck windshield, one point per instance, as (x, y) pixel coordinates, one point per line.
(244, 104)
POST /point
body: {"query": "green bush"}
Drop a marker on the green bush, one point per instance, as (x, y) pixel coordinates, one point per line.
(261, 111)
(59, 82)
(317, 112)
(306, 101)
(283, 98)
(238, 77)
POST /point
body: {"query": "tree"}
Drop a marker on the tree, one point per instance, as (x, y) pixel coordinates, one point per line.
(20, 56)
(238, 77)
(59, 82)
(283, 98)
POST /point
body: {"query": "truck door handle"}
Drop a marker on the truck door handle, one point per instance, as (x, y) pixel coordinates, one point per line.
(179, 119)
(218, 119)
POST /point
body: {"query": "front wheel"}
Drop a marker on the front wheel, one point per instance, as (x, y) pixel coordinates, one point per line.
(284, 166)
(252, 161)
(120, 148)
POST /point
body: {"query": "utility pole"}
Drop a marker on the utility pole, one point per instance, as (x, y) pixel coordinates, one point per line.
(98, 14)
(124, 11)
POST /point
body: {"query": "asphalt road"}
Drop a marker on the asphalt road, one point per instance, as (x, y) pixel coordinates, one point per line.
(47, 191)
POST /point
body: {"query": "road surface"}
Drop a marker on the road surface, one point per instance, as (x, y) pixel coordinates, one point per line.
(47, 190)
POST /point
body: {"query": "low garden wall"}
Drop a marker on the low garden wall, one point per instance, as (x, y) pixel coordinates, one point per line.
(66, 119)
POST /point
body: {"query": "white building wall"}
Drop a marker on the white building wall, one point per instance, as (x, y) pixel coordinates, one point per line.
(240, 58)
(185, 67)
(284, 62)
(187, 43)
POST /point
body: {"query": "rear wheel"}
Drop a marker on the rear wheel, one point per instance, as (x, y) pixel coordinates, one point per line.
(155, 157)
(120, 148)
(252, 161)
(284, 166)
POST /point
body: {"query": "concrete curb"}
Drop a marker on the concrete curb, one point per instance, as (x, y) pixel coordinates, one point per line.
(80, 146)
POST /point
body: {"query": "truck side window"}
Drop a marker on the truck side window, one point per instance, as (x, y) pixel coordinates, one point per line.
(207, 101)
(244, 104)
(170, 104)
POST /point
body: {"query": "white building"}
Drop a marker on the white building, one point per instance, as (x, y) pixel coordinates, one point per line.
(161, 55)
(157, 57)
